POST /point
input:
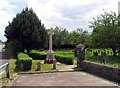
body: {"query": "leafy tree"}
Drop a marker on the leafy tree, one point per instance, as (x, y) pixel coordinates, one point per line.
(59, 36)
(28, 29)
(62, 38)
(76, 37)
(106, 32)
(13, 47)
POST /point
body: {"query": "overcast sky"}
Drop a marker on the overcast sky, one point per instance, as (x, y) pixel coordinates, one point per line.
(69, 14)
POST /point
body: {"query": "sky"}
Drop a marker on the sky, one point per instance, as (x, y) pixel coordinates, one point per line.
(69, 14)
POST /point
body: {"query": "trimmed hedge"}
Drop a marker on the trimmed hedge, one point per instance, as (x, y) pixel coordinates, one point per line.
(65, 60)
(60, 58)
(36, 56)
(25, 60)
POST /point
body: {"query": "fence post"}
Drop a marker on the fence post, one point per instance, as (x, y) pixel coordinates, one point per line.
(7, 71)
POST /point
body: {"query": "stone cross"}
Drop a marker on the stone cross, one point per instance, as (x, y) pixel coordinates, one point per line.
(50, 33)
(50, 54)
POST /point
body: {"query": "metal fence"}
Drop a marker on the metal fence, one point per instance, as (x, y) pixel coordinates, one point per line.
(5, 68)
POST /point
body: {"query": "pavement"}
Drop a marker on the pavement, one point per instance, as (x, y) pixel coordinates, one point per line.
(60, 79)
(65, 68)
(66, 76)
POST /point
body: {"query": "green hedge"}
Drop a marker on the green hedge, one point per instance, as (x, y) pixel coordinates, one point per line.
(60, 58)
(36, 56)
(25, 60)
(64, 59)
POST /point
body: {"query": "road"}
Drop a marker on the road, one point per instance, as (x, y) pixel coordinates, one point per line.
(60, 79)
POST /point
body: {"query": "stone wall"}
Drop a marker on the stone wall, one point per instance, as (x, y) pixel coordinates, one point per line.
(104, 71)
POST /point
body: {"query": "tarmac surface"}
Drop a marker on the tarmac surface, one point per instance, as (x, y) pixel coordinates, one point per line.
(60, 79)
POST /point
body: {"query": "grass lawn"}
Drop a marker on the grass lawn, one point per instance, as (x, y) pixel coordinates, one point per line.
(65, 53)
(114, 60)
(14, 71)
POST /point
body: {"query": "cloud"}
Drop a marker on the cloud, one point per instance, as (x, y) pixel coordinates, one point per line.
(6, 14)
(68, 13)
(107, 7)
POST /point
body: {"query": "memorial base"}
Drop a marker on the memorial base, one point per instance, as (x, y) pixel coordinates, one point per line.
(50, 61)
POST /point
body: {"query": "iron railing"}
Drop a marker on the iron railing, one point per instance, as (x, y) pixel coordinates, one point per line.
(5, 68)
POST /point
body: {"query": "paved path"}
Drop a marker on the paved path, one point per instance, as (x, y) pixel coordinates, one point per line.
(60, 79)
(65, 67)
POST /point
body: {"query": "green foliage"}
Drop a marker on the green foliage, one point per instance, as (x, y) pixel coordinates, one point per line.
(25, 60)
(66, 53)
(44, 67)
(113, 60)
(36, 56)
(13, 47)
(76, 37)
(59, 36)
(63, 56)
(28, 29)
(106, 32)
(64, 59)
(64, 39)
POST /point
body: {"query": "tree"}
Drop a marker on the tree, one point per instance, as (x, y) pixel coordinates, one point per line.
(77, 36)
(106, 32)
(59, 36)
(64, 39)
(28, 29)
(13, 47)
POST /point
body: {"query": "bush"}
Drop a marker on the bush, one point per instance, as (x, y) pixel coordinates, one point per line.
(65, 60)
(36, 56)
(13, 47)
(25, 60)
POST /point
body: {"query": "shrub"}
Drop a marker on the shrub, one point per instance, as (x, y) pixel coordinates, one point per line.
(25, 60)
(64, 59)
(36, 56)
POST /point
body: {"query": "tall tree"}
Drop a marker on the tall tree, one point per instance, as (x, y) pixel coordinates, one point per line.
(28, 29)
(106, 32)
(59, 36)
(77, 36)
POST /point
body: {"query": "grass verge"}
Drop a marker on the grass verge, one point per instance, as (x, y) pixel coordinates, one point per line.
(14, 71)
